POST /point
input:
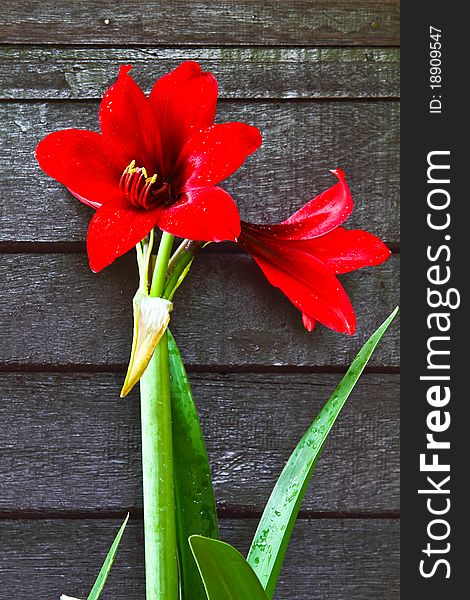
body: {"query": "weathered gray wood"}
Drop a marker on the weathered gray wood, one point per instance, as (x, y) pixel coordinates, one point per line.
(185, 22)
(43, 72)
(302, 141)
(227, 315)
(334, 559)
(61, 431)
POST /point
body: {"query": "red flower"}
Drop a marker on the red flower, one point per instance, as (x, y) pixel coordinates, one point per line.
(156, 162)
(302, 255)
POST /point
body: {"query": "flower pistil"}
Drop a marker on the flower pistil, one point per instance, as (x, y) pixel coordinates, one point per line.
(140, 189)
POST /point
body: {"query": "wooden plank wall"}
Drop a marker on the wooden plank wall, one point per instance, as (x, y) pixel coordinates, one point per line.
(320, 79)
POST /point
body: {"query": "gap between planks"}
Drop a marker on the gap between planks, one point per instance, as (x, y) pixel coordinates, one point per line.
(235, 512)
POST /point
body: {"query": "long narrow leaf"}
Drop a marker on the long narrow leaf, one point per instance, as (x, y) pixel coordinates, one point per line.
(105, 569)
(195, 504)
(272, 537)
(226, 574)
(108, 563)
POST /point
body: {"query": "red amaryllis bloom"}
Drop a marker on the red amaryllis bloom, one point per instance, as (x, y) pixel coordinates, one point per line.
(156, 162)
(303, 255)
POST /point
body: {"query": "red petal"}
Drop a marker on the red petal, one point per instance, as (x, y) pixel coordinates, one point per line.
(89, 203)
(128, 123)
(308, 322)
(212, 154)
(81, 160)
(115, 228)
(205, 214)
(184, 101)
(346, 250)
(309, 284)
(318, 217)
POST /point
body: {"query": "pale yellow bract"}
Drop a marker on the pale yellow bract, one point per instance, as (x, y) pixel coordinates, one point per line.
(151, 318)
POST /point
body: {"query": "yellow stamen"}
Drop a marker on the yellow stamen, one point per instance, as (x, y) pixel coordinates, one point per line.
(136, 184)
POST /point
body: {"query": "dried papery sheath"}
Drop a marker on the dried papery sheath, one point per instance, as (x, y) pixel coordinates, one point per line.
(151, 318)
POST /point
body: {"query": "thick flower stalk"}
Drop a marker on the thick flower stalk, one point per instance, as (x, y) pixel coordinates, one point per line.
(161, 555)
(303, 255)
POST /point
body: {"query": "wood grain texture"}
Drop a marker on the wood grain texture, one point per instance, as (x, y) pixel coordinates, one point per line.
(184, 22)
(57, 312)
(33, 73)
(302, 140)
(60, 431)
(353, 559)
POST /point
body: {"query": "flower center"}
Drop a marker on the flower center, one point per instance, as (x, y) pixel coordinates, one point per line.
(141, 190)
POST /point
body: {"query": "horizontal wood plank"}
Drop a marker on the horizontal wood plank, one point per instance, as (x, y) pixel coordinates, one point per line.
(226, 316)
(33, 73)
(189, 23)
(302, 141)
(333, 559)
(60, 431)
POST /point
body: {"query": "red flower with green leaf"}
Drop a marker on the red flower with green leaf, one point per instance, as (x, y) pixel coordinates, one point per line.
(303, 255)
(156, 162)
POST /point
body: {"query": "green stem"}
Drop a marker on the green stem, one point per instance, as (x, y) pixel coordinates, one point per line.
(161, 559)
(144, 255)
(161, 562)
(178, 263)
(161, 265)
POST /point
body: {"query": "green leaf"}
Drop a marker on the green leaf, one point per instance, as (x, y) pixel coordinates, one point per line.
(195, 503)
(108, 563)
(226, 574)
(272, 537)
